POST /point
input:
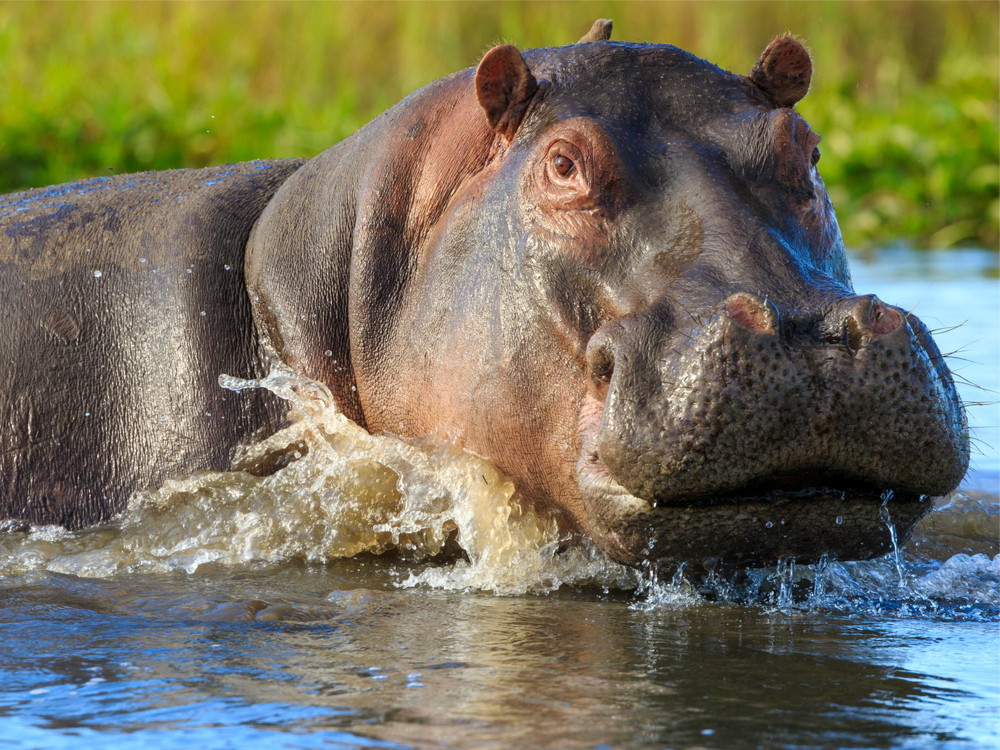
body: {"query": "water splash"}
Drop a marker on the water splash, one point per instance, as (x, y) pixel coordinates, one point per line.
(320, 489)
(951, 571)
(819, 578)
(887, 520)
(653, 591)
(309, 397)
(785, 575)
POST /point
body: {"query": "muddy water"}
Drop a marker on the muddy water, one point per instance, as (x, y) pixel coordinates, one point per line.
(301, 609)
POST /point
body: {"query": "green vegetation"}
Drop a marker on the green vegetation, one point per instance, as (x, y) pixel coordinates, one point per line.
(904, 94)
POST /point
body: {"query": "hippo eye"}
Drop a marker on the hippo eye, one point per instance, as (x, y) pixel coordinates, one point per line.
(815, 156)
(564, 174)
(564, 166)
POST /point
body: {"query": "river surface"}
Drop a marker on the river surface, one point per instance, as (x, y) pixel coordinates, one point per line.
(300, 610)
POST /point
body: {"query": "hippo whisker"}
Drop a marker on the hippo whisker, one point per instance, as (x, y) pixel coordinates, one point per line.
(977, 442)
(953, 355)
(946, 329)
(961, 378)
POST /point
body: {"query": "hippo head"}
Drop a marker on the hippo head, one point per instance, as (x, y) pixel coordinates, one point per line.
(614, 270)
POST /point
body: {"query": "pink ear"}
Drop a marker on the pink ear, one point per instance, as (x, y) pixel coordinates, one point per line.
(504, 87)
(783, 71)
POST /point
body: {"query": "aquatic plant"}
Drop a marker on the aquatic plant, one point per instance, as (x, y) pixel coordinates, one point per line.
(904, 94)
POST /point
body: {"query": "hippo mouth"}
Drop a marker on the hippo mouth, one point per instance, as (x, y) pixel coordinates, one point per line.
(806, 516)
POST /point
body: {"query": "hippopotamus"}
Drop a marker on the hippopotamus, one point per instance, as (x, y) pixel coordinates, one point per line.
(612, 269)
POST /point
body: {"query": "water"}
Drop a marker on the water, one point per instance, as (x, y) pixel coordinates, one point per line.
(234, 611)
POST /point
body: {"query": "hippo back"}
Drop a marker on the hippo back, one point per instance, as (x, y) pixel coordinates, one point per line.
(123, 300)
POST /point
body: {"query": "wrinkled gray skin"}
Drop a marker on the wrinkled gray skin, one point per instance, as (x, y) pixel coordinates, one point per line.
(661, 346)
(110, 381)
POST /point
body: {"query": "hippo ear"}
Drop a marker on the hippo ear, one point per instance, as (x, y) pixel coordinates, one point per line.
(783, 71)
(504, 87)
(599, 32)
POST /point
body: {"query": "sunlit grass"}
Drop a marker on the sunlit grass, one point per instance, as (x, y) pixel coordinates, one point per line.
(904, 94)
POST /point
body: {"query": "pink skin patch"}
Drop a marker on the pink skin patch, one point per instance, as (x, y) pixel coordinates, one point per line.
(591, 412)
(750, 313)
(883, 319)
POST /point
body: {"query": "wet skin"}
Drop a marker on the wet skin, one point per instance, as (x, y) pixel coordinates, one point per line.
(611, 269)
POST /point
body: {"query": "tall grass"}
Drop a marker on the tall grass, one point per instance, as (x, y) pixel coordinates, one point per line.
(905, 94)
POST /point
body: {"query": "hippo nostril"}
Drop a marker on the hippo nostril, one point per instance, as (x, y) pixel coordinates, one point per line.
(752, 312)
(868, 317)
(601, 356)
(882, 318)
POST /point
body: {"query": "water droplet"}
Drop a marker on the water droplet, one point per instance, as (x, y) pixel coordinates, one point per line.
(203, 313)
(87, 414)
(887, 519)
(413, 680)
(354, 388)
(142, 260)
(189, 270)
(840, 520)
(328, 352)
(769, 524)
(97, 274)
(228, 267)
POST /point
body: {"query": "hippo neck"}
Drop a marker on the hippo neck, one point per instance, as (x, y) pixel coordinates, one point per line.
(330, 258)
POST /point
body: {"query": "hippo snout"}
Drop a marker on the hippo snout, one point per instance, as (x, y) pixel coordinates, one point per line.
(763, 404)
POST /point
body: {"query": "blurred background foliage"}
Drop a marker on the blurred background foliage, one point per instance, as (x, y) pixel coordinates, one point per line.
(905, 94)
